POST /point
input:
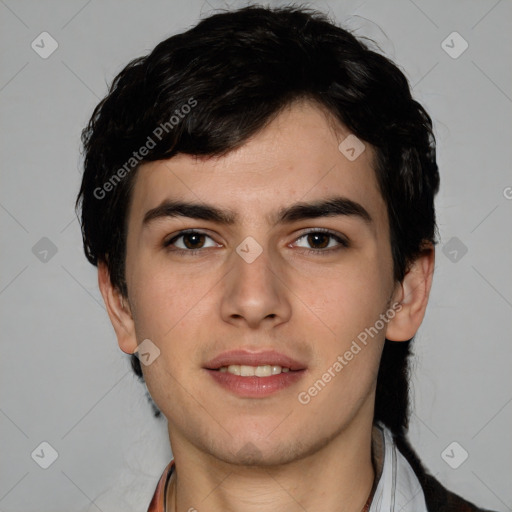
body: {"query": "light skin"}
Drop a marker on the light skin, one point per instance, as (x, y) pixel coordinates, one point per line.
(258, 454)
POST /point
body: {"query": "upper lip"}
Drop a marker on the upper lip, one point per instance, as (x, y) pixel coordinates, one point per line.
(245, 357)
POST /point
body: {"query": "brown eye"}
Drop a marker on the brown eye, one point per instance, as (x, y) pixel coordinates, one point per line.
(189, 241)
(193, 240)
(318, 240)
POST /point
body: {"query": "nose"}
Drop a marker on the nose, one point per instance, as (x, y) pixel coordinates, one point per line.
(255, 293)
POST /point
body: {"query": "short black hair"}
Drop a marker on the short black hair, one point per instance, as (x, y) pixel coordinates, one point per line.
(207, 90)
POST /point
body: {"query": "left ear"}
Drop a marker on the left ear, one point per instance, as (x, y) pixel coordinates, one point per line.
(412, 293)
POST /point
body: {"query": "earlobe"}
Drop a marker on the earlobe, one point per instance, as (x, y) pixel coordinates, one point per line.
(412, 294)
(118, 310)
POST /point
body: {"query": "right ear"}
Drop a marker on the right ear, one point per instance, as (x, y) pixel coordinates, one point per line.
(118, 310)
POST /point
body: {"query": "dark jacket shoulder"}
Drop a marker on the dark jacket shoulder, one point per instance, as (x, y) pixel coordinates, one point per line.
(440, 499)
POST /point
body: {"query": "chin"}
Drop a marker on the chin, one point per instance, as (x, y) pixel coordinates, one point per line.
(248, 451)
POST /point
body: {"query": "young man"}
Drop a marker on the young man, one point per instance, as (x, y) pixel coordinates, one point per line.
(258, 197)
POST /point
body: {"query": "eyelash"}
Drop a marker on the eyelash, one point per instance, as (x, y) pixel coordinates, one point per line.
(341, 240)
(189, 252)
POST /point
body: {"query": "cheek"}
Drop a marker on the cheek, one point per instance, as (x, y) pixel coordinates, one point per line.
(163, 299)
(351, 336)
(349, 342)
(349, 299)
(174, 310)
(170, 310)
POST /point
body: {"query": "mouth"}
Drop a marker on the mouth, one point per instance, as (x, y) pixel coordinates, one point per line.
(244, 370)
(254, 374)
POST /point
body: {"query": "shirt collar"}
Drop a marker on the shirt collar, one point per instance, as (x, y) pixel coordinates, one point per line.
(398, 488)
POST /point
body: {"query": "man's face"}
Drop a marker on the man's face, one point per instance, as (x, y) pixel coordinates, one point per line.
(300, 303)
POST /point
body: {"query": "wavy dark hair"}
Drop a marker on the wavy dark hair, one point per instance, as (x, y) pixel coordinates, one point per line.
(241, 68)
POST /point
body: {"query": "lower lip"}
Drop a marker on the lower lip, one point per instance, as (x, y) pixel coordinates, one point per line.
(255, 387)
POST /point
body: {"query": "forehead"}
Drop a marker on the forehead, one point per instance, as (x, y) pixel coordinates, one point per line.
(296, 157)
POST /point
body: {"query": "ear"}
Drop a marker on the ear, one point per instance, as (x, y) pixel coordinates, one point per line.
(412, 293)
(118, 310)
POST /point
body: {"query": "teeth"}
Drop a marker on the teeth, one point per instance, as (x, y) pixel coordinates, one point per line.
(246, 371)
(234, 369)
(262, 371)
(243, 370)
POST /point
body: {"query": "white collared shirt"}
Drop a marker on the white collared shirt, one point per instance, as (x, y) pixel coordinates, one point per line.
(398, 488)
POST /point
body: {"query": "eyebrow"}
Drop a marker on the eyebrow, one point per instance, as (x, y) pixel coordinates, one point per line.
(330, 207)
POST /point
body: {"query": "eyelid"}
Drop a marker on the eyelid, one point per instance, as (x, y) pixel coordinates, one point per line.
(168, 241)
(339, 237)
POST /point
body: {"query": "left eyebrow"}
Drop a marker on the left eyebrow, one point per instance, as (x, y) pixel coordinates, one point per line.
(324, 208)
(330, 207)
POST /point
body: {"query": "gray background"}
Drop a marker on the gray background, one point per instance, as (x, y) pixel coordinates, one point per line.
(64, 379)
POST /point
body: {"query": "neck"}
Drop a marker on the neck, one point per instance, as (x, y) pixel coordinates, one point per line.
(336, 478)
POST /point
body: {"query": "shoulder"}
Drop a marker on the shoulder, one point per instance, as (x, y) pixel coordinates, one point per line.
(440, 499)
(437, 497)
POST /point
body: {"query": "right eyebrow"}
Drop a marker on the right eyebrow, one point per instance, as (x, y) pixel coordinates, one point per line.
(192, 210)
